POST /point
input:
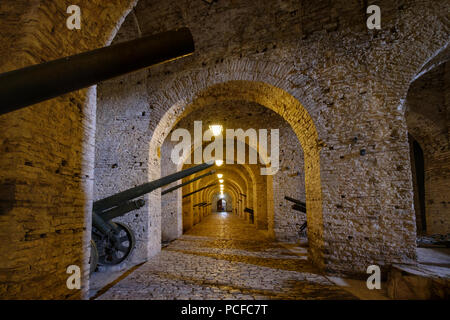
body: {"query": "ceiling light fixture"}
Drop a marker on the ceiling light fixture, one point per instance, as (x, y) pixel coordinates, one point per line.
(216, 129)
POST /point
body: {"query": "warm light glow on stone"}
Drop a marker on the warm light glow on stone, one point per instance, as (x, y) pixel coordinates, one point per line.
(216, 129)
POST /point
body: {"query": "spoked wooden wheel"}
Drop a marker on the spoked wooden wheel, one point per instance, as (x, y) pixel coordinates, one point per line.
(112, 251)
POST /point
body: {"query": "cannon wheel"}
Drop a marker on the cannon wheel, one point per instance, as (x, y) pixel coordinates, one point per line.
(110, 254)
(93, 259)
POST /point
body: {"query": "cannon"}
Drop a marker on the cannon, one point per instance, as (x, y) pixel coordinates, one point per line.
(248, 210)
(298, 205)
(198, 190)
(37, 83)
(200, 204)
(113, 242)
(251, 214)
(187, 182)
(302, 230)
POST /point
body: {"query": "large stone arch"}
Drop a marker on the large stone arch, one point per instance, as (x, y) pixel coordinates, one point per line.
(267, 95)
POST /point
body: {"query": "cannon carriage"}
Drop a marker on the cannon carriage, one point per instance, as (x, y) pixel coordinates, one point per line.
(112, 242)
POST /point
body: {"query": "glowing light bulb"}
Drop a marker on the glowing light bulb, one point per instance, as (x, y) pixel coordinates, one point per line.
(216, 129)
(221, 180)
(219, 163)
(219, 176)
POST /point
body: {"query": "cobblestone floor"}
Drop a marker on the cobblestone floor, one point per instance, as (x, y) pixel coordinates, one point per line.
(225, 258)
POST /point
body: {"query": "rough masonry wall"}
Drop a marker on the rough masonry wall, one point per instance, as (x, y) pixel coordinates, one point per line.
(125, 124)
(288, 181)
(47, 152)
(171, 215)
(121, 153)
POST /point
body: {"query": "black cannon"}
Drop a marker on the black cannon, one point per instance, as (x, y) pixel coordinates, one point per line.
(302, 230)
(187, 182)
(114, 241)
(37, 83)
(198, 190)
(298, 205)
(200, 204)
(251, 214)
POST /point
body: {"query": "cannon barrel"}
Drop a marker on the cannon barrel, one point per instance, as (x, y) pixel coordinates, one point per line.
(115, 241)
(124, 196)
(199, 204)
(33, 84)
(298, 207)
(198, 190)
(187, 182)
(298, 202)
(303, 226)
(122, 209)
(251, 214)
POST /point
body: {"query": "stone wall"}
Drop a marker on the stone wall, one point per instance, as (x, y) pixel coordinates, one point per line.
(47, 152)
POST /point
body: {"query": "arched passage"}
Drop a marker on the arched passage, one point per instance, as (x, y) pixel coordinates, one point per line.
(427, 108)
(291, 110)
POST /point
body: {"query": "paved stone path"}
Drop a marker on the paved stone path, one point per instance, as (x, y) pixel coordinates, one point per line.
(225, 258)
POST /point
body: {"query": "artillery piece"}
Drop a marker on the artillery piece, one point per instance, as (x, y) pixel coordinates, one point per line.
(299, 206)
(113, 242)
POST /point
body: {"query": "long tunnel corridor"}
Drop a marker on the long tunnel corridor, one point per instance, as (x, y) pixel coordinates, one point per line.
(223, 257)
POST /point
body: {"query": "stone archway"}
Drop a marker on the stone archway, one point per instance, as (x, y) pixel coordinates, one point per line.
(290, 109)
